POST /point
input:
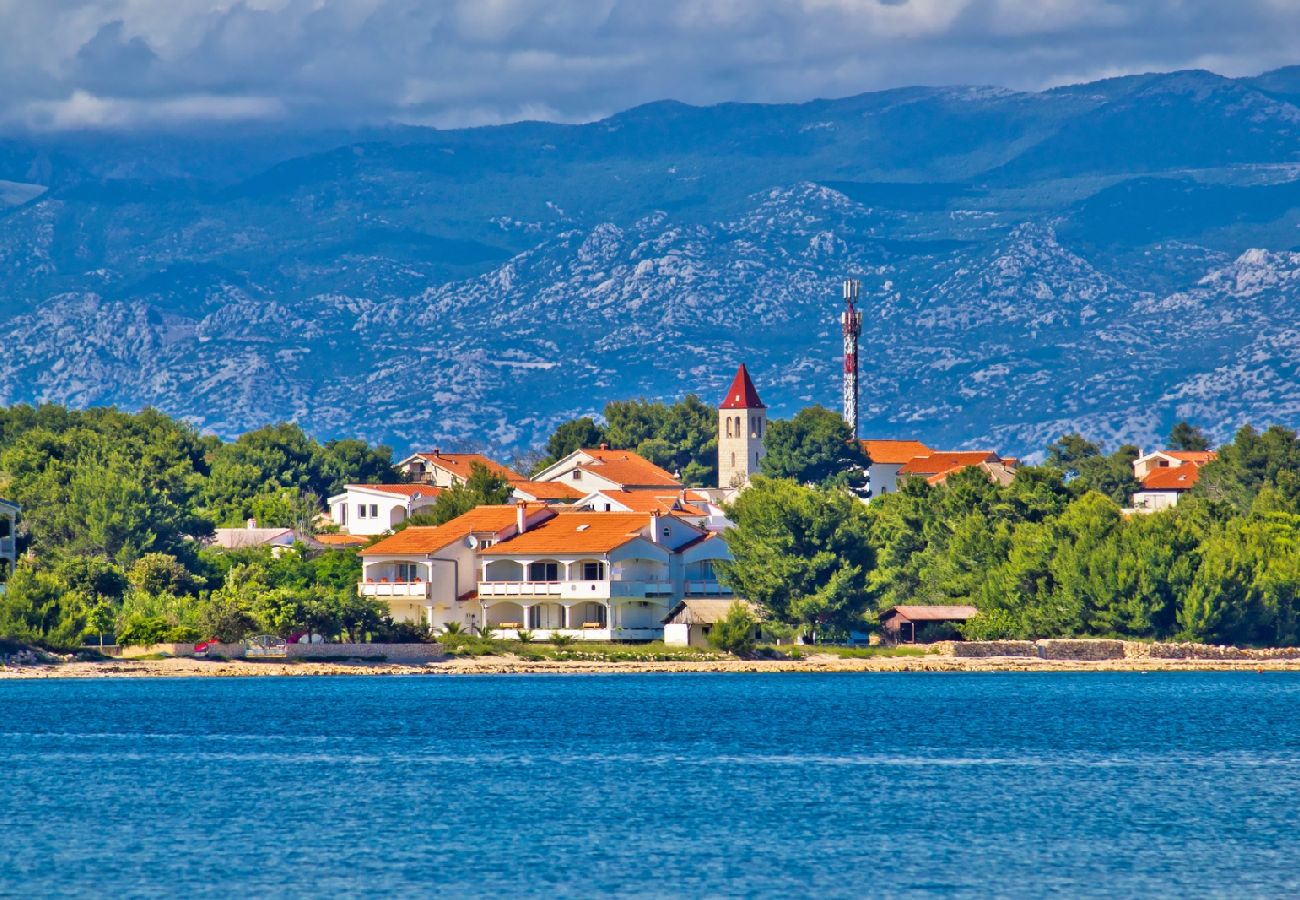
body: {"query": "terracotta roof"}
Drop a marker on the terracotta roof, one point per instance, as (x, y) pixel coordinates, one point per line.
(932, 613)
(432, 538)
(742, 394)
(574, 532)
(1199, 457)
(548, 490)
(406, 490)
(626, 468)
(890, 452)
(459, 464)
(945, 460)
(652, 500)
(1172, 478)
(342, 540)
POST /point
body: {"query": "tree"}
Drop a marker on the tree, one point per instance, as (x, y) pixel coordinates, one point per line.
(815, 447)
(574, 434)
(800, 553)
(483, 487)
(37, 608)
(1251, 462)
(734, 632)
(1185, 436)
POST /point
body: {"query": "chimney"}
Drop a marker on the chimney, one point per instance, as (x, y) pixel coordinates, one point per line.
(251, 523)
(437, 451)
(521, 517)
(604, 446)
(654, 527)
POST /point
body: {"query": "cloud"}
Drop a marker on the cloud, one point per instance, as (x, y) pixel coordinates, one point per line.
(171, 63)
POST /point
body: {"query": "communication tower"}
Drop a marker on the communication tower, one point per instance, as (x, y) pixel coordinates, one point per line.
(851, 322)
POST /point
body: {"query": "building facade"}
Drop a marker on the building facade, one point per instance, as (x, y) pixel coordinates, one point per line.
(8, 539)
(370, 509)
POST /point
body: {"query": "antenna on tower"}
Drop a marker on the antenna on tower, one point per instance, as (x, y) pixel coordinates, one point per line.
(851, 325)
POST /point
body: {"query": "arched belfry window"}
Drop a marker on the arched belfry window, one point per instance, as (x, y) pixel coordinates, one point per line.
(733, 460)
(728, 426)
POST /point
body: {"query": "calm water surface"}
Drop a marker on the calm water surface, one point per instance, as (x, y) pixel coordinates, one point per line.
(827, 785)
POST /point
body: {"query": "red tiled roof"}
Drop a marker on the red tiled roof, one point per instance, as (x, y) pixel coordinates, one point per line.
(650, 500)
(406, 490)
(623, 467)
(1199, 457)
(459, 464)
(432, 538)
(942, 461)
(742, 394)
(574, 532)
(932, 613)
(890, 452)
(1172, 478)
(548, 490)
(342, 541)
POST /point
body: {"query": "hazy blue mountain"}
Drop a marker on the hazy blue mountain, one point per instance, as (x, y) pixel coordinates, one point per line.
(1109, 256)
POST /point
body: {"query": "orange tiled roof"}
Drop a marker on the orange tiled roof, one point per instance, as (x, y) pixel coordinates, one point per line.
(341, 541)
(459, 464)
(651, 500)
(574, 532)
(943, 461)
(548, 490)
(890, 452)
(1172, 478)
(431, 538)
(406, 490)
(627, 468)
(1197, 457)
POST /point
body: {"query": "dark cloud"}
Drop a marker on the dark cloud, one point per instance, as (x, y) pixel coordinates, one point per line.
(150, 63)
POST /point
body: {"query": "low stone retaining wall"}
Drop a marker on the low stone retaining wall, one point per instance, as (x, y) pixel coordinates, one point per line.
(389, 652)
(230, 651)
(1097, 650)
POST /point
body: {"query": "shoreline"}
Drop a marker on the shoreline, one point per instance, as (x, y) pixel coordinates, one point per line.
(507, 665)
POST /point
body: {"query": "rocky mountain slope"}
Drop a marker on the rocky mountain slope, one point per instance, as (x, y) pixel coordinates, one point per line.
(1108, 257)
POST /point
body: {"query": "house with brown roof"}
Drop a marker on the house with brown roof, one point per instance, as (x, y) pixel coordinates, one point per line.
(448, 469)
(603, 469)
(921, 624)
(370, 509)
(1166, 476)
(887, 458)
(1147, 463)
(691, 504)
(429, 573)
(938, 466)
(553, 493)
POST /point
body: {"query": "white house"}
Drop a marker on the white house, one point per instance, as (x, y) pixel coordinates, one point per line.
(597, 575)
(887, 458)
(8, 539)
(1147, 463)
(447, 469)
(370, 509)
(278, 539)
(605, 469)
(429, 574)
(689, 504)
(1166, 475)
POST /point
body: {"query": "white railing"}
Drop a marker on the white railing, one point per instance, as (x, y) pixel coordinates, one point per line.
(420, 589)
(574, 590)
(706, 589)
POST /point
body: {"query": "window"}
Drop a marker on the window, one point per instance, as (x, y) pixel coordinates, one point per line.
(361, 510)
(733, 460)
(544, 571)
(577, 474)
(728, 426)
(760, 426)
(408, 572)
(593, 571)
(374, 510)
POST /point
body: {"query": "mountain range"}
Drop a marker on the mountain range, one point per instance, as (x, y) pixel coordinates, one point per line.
(1107, 257)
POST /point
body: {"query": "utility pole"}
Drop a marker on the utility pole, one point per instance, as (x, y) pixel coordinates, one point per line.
(851, 322)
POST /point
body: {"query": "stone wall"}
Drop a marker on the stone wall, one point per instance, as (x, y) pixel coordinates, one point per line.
(1089, 650)
(1083, 650)
(390, 652)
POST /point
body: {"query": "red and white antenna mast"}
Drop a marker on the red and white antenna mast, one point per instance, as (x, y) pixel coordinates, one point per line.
(851, 322)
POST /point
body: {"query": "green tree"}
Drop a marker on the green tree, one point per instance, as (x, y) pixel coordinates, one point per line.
(37, 608)
(815, 447)
(1251, 462)
(483, 487)
(734, 632)
(1185, 436)
(575, 434)
(800, 553)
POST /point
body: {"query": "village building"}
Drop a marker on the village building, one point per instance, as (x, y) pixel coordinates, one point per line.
(1166, 476)
(605, 469)
(8, 539)
(446, 470)
(742, 424)
(552, 493)
(887, 458)
(689, 504)
(689, 623)
(429, 574)
(1147, 463)
(936, 467)
(910, 624)
(250, 536)
(370, 509)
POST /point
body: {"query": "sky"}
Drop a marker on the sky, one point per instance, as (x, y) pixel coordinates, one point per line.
(148, 64)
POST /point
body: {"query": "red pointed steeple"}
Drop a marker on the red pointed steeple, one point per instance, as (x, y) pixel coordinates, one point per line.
(742, 393)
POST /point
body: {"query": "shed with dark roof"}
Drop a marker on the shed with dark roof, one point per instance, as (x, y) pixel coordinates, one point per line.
(910, 624)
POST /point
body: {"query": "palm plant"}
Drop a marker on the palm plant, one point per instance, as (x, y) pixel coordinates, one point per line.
(453, 628)
(525, 636)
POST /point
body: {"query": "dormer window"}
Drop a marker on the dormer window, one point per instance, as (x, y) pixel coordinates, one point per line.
(577, 474)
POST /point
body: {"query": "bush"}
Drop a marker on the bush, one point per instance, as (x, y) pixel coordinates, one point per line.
(735, 633)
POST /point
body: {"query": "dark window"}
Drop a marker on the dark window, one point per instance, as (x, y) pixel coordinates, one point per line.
(544, 571)
(593, 571)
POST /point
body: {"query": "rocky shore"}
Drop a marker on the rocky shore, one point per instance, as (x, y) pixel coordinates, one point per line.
(1056, 656)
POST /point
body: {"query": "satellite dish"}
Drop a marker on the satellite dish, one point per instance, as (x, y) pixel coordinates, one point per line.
(471, 542)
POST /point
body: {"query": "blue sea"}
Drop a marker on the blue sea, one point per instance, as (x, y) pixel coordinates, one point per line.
(653, 785)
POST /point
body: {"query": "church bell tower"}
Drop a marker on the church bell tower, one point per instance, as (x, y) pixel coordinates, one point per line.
(742, 422)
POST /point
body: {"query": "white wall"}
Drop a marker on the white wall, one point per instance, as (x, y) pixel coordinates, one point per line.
(883, 478)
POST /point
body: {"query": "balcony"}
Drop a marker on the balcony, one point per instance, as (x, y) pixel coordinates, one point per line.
(406, 590)
(706, 589)
(6, 546)
(574, 590)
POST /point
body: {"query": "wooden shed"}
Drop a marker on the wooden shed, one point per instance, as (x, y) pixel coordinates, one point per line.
(908, 624)
(690, 621)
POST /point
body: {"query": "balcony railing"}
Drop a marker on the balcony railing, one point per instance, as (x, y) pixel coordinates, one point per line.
(404, 589)
(574, 590)
(706, 589)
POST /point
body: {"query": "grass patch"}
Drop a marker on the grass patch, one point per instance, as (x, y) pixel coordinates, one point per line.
(863, 652)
